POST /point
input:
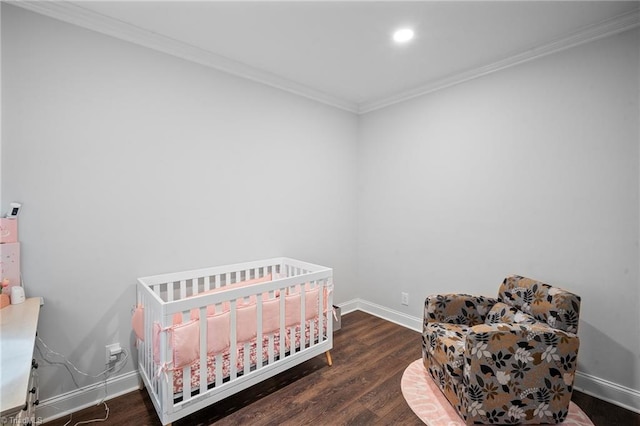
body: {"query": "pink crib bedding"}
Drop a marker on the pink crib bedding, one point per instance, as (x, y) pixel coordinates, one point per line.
(178, 374)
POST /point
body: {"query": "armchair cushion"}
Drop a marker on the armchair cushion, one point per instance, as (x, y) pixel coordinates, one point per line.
(501, 312)
(555, 306)
(457, 308)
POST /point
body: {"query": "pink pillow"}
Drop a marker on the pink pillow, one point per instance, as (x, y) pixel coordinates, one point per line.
(218, 332)
(185, 341)
(270, 315)
(246, 327)
(311, 304)
(292, 307)
(292, 310)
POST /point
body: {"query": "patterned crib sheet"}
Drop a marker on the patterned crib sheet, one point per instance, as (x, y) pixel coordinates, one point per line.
(178, 374)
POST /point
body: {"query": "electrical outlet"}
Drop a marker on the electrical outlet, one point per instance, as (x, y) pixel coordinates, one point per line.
(112, 353)
(405, 299)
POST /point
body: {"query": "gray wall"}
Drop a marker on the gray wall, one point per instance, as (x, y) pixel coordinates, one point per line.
(533, 171)
(131, 163)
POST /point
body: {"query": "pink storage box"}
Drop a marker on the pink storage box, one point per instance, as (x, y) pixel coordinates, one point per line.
(8, 230)
(10, 263)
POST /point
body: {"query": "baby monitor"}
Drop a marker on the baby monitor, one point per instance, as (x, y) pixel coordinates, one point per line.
(14, 210)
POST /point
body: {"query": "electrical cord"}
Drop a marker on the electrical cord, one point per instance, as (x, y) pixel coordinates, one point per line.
(84, 422)
(122, 362)
(106, 373)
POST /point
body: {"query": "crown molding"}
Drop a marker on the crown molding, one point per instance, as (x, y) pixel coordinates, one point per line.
(587, 34)
(77, 15)
(74, 14)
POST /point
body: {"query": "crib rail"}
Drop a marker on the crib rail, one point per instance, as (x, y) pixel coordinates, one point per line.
(300, 292)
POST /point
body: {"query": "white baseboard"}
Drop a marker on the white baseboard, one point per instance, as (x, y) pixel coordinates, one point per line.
(81, 398)
(614, 393)
(602, 389)
(400, 318)
(67, 403)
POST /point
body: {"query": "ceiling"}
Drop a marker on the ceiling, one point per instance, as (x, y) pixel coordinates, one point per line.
(341, 52)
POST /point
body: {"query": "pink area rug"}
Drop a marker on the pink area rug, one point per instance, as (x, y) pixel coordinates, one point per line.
(430, 405)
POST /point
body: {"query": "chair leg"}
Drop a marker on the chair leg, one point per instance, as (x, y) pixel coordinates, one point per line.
(329, 360)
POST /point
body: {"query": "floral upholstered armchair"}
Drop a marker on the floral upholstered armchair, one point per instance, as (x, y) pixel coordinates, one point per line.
(509, 360)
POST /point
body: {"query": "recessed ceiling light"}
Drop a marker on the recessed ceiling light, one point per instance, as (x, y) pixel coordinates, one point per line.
(403, 35)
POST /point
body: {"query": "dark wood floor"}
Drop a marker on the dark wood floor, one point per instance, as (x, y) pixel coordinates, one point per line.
(361, 388)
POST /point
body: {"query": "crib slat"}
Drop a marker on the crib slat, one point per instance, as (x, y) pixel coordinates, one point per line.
(219, 361)
(246, 362)
(169, 292)
(144, 347)
(203, 349)
(282, 322)
(183, 289)
(207, 283)
(259, 339)
(186, 383)
(150, 317)
(233, 351)
(218, 284)
(270, 350)
(166, 382)
(312, 321)
(303, 298)
(321, 313)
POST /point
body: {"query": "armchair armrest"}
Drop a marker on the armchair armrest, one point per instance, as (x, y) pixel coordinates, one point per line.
(519, 373)
(457, 308)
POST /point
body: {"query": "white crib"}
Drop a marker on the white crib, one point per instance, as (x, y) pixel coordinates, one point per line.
(299, 293)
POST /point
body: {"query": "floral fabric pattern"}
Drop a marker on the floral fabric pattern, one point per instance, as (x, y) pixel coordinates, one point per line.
(497, 364)
(555, 306)
(501, 312)
(457, 309)
(446, 344)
